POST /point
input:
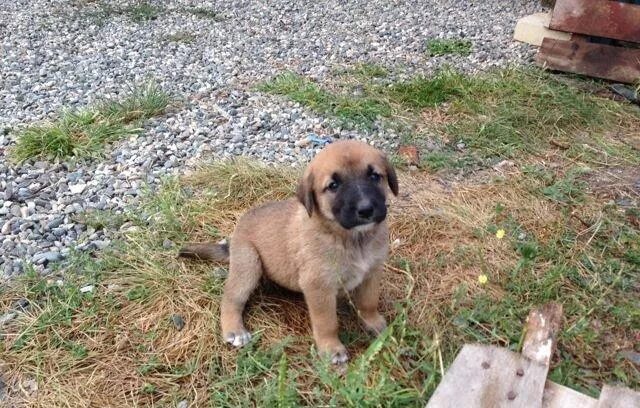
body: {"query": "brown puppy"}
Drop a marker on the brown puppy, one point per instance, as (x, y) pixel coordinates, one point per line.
(330, 241)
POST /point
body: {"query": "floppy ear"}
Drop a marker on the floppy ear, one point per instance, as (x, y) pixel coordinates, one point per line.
(392, 177)
(305, 193)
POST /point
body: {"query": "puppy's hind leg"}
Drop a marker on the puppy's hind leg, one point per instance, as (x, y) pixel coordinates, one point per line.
(245, 270)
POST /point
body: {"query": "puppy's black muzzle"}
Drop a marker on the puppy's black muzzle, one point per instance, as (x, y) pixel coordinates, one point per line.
(359, 204)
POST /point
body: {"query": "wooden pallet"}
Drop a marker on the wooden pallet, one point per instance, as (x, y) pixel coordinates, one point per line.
(605, 41)
(489, 376)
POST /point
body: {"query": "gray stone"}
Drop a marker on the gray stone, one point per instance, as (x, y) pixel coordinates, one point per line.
(43, 257)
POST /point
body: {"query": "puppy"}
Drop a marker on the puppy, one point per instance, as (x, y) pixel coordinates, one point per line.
(330, 241)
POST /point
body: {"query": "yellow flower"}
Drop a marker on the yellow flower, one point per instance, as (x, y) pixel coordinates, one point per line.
(483, 279)
(500, 234)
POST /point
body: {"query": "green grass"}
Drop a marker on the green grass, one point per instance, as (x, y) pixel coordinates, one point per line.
(503, 114)
(144, 102)
(437, 46)
(85, 132)
(368, 71)
(102, 11)
(422, 92)
(142, 11)
(346, 108)
(203, 12)
(181, 37)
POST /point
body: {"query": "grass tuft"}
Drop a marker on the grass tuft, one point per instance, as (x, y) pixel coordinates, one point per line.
(83, 133)
(144, 102)
(203, 12)
(141, 12)
(181, 37)
(348, 109)
(437, 47)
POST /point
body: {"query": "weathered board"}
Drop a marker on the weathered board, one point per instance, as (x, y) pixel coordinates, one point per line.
(601, 18)
(559, 396)
(540, 331)
(617, 397)
(597, 60)
(489, 376)
(532, 29)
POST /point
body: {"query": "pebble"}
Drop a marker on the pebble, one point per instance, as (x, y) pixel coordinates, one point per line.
(87, 289)
(43, 257)
(7, 317)
(178, 321)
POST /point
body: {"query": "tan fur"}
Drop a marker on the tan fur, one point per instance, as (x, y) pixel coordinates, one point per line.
(298, 244)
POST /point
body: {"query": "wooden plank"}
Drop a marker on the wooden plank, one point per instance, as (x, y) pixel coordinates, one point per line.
(541, 329)
(597, 60)
(601, 18)
(532, 29)
(559, 396)
(618, 397)
(490, 377)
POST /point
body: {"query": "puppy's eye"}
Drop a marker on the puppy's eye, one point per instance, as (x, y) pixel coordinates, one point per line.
(375, 177)
(333, 186)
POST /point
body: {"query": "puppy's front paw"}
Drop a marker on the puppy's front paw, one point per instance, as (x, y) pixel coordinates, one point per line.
(375, 323)
(340, 357)
(238, 338)
(337, 352)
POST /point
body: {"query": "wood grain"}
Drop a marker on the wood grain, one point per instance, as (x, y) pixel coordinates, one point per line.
(490, 377)
(596, 60)
(559, 396)
(601, 18)
(618, 397)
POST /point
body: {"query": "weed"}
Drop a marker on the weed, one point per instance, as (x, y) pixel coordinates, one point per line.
(141, 12)
(437, 46)
(368, 71)
(349, 109)
(569, 190)
(75, 133)
(203, 12)
(422, 92)
(83, 133)
(181, 37)
(143, 102)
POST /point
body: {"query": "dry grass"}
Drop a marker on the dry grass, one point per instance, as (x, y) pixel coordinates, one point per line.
(117, 346)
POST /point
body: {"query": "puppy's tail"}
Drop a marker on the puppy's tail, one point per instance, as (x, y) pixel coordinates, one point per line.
(208, 251)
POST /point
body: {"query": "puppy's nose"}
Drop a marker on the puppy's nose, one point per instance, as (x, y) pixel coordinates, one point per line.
(365, 210)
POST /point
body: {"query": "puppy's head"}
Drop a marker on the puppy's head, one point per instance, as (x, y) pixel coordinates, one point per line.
(347, 183)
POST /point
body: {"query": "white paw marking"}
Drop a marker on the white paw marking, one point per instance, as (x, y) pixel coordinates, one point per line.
(238, 340)
(340, 357)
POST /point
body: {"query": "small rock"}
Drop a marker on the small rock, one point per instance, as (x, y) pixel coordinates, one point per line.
(87, 289)
(167, 244)
(42, 257)
(21, 305)
(7, 317)
(6, 228)
(77, 188)
(178, 321)
(101, 244)
(55, 223)
(183, 404)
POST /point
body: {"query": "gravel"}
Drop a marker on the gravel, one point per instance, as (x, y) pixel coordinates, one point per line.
(61, 53)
